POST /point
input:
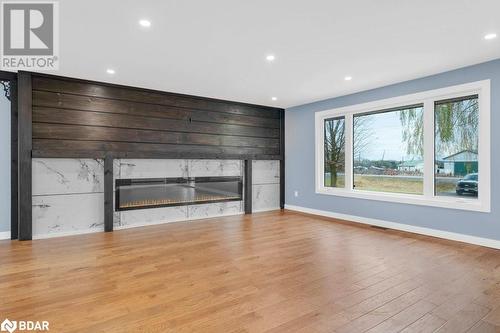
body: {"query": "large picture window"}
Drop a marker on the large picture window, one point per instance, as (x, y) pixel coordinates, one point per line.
(388, 150)
(429, 148)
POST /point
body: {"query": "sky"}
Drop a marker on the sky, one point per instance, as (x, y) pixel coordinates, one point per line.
(386, 139)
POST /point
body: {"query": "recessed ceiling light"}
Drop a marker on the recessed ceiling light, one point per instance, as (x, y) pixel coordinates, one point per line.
(270, 57)
(348, 78)
(145, 23)
(490, 36)
(274, 98)
(110, 71)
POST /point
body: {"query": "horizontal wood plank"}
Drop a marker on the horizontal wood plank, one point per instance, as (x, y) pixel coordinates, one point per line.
(88, 118)
(91, 133)
(98, 104)
(95, 89)
(82, 153)
(111, 146)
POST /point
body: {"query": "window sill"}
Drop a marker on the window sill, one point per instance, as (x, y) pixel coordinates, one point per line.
(443, 202)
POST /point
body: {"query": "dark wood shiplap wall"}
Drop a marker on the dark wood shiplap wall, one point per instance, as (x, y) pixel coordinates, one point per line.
(77, 118)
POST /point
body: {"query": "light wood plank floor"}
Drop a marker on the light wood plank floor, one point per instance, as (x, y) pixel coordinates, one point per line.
(269, 272)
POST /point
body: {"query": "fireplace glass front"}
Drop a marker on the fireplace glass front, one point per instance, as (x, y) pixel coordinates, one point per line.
(165, 192)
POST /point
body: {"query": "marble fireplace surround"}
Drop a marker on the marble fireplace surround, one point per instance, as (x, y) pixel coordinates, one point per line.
(68, 194)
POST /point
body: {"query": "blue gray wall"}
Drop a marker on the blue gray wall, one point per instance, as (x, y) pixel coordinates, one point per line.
(4, 163)
(299, 157)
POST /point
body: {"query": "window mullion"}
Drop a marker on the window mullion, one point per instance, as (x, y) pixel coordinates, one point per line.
(429, 148)
(349, 151)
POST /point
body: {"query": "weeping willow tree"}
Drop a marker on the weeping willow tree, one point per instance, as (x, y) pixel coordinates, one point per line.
(456, 127)
(412, 121)
(335, 144)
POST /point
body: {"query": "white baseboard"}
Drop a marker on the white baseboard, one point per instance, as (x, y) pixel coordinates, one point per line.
(487, 242)
(4, 235)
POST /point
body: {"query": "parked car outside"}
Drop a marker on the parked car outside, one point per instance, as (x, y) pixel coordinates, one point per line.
(468, 184)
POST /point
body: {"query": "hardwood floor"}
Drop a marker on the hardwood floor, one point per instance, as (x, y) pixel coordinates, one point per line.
(266, 272)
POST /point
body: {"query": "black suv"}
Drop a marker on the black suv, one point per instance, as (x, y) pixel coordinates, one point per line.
(468, 184)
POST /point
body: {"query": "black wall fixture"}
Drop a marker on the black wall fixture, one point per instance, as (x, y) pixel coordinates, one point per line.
(61, 117)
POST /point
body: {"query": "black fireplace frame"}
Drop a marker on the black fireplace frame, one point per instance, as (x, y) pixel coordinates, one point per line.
(176, 180)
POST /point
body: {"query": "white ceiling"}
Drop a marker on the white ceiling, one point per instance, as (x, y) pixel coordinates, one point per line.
(217, 48)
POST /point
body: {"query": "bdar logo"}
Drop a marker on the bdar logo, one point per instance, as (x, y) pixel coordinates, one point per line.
(23, 325)
(8, 326)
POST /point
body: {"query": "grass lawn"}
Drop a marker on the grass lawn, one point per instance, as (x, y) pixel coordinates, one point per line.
(392, 184)
(389, 184)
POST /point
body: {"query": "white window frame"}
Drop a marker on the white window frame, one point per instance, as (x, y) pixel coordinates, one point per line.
(427, 98)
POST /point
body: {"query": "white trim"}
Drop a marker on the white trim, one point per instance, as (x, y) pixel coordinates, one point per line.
(417, 98)
(481, 204)
(4, 235)
(349, 152)
(429, 158)
(487, 242)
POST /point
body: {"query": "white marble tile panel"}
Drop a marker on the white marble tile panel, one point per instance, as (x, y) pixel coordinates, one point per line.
(116, 168)
(265, 197)
(116, 215)
(67, 176)
(151, 168)
(215, 209)
(67, 213)
(216, 168)
(265, 172)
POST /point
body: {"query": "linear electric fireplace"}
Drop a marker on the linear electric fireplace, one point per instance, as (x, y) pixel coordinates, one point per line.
(166, 192)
